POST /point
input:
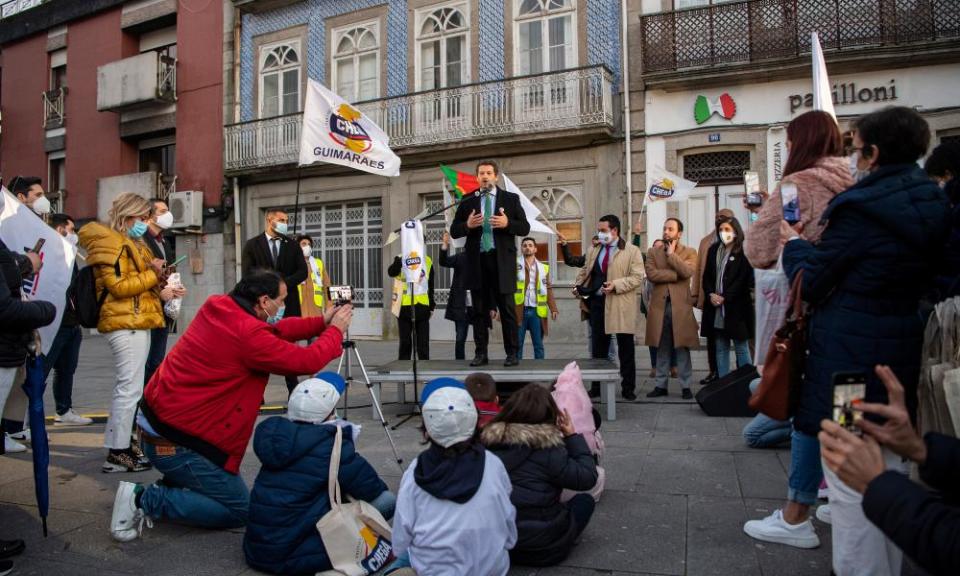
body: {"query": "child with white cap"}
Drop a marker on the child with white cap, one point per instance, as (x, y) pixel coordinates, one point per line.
(454, 514)
(290, 493)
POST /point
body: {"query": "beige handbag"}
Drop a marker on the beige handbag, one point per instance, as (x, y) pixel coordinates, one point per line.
(355, 535)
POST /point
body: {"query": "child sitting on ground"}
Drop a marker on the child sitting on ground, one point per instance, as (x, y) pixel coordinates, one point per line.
(291, 494)
(454, 514)
(543, 453)
(483, 390)
(571, 396)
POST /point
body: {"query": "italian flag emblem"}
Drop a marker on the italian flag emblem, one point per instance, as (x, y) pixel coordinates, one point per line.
(724, 106)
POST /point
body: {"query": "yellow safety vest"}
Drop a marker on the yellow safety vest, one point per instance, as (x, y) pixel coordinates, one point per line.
(520, 297)
(317, 284)
(421, 290)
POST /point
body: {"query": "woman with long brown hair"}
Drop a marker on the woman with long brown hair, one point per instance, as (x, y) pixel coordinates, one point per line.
(728, 309)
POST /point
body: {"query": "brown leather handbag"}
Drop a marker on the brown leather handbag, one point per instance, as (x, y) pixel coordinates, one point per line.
(778, 394)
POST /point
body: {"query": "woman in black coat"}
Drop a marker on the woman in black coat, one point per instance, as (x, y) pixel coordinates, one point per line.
(727, 282)
(543, 454)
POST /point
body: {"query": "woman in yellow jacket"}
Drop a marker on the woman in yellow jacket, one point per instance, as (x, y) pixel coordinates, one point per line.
(130, 279)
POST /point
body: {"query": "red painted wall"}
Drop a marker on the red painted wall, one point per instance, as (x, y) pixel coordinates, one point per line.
(200, 101)
(21, 151)
(94, 147)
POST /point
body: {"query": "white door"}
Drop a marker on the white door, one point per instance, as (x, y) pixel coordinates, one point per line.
(348, 237)
(698, 213)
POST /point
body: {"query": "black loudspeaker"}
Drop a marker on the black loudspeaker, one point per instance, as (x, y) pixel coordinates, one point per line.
(728, 396)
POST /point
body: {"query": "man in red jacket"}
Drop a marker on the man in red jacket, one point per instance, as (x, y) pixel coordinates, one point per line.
(199, 409)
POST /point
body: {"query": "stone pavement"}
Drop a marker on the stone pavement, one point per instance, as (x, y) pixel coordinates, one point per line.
(679, 487)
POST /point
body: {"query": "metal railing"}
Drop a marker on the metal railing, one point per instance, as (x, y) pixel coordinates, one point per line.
(166, 77)
(14, 7)
(53, 108)
(571, 99)
(166, 185)
(757, 30)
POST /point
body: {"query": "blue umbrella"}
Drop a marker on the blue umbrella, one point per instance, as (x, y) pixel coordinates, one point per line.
(34, 385)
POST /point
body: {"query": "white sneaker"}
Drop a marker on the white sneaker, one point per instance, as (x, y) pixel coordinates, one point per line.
(21, 436)
(775, 529)
(823, 514)
(823, 493)
(11, 446)
(71, 418)
(126, 524)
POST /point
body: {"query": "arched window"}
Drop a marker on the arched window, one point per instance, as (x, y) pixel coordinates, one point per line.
(356, 62)
(442, 55)
(561, 207)
(280, 66)
(546, 37)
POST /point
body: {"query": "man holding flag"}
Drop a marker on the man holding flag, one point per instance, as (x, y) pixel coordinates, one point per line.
(490, 220)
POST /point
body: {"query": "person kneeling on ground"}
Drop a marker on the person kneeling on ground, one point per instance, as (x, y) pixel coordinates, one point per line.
(454, 514)
(199, 409)
(483, 390)
(543, 455)
(291, 492)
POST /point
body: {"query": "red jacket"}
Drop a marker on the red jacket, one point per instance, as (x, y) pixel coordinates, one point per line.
(206, 394)
(486, 411)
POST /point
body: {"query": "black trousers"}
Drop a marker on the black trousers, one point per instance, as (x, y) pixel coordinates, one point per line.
(487, 298)
(601, 346)
(405, 323)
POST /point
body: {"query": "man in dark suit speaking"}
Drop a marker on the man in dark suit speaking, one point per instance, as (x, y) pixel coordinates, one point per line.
(491, 219)
(273, 250)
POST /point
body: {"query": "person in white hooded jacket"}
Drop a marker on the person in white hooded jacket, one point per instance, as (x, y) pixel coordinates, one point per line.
(453, 514)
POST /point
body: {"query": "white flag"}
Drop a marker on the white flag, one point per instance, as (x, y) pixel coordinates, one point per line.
(822, 95)
(20, 229)
(413, 250)
(531, 211)
(335, 132)
(667, 186)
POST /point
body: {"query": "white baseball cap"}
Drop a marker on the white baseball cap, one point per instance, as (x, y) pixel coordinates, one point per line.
(449, 413)
(313, 400)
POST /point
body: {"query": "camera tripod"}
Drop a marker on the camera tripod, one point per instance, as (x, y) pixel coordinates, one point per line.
(350, 351)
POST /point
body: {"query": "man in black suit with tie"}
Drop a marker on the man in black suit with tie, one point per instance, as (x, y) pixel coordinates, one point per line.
(273, 250)
(491, 219)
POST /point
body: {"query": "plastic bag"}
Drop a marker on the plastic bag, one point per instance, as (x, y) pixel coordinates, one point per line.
(172, 308)
(771, 302)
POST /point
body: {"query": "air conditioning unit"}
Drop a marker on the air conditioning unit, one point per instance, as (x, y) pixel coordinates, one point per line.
(187, 208)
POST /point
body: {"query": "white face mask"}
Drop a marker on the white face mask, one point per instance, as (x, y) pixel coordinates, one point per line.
(165, 220)
(727, 237)
(41, 205)
(72, 238)
(307, 251)
(604, 237)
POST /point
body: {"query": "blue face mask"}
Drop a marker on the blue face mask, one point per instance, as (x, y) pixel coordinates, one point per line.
(278, 316)
(280, 227)
(138, 229)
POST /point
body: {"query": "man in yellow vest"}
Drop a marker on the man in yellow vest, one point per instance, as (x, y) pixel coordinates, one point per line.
(533, 298)
(417, 307)
(316, 283)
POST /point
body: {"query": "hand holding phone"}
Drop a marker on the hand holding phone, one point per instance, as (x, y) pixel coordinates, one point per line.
(789, 198)
(849, 390)
(751, 185)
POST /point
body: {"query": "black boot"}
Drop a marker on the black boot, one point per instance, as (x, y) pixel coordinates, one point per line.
(479, 360)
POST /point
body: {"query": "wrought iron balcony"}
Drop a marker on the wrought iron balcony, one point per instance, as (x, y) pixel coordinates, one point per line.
(143, 80)
(53, 108)
(575, 99)
(763, 30)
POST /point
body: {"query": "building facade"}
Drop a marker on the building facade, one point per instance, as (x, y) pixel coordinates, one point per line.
(105, 96)
(532, 84)
(749, 64)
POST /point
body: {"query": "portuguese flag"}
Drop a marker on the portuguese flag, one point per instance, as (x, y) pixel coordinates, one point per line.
(461, 182)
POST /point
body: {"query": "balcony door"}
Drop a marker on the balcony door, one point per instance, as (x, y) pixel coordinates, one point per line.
(280, 81)
(545, 40)
(443, 65)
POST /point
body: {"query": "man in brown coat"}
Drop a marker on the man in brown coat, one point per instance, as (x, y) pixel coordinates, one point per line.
(697, 288)
(609, 282)
(670, 321)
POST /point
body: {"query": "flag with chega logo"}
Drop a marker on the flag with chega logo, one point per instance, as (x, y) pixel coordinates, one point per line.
(667, 186)
(335, 132)
(20, 230)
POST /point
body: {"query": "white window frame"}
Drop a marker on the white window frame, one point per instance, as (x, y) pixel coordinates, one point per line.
(573, 53)
(265, 50)
(336, 35)
(420, 16)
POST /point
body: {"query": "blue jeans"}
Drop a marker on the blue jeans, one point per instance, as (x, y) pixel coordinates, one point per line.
(385, 503)
(763, 431)
(723, 354)
(653, 357)
(531, 322)
(62, 359)
(158, 349)
(458, 348)
(194, 491)
(806, 472)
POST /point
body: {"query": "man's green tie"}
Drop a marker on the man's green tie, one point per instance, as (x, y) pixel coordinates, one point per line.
(486, 240)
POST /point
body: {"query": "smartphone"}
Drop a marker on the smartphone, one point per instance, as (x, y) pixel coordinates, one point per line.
(340, 295)
(849, 390)
(39, 245)
(791, 203)
(751, 185)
